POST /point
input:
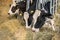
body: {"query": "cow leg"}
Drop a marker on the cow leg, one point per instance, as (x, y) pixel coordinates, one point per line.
(26, 16)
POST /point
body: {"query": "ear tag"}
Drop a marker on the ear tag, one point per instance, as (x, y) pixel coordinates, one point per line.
(31, 11)
(20, 14)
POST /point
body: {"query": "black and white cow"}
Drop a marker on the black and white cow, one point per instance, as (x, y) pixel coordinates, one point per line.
(17, 7)
(32, 14)
(28, 15)
(41, 17)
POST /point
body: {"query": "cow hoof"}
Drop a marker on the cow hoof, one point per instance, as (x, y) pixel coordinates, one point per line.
(35, 29)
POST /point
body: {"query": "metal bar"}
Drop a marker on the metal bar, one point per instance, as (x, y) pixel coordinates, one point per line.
(50, 6)
(39, 4)
(56, 5)
(53, 6)
(27, 5)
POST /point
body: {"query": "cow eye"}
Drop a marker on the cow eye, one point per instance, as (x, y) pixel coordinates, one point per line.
(10, 5)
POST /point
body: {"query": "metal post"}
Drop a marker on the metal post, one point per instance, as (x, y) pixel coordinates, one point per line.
(50, 6)
(27, 5)
(39, 4)
(53, 6)
(56, 5)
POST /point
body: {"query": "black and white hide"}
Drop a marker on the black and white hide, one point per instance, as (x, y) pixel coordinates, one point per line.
(28, 15)
(16, 8)
(42, 17)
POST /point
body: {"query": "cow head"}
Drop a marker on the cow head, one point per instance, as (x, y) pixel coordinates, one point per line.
(16, 7)
(13, 9)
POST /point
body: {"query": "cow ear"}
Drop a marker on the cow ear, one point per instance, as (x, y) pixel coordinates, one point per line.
(10, 5)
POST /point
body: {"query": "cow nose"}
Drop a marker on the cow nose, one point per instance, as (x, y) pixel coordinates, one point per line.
(8, 13)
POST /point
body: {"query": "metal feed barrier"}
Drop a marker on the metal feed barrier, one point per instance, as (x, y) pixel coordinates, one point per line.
(53, 5)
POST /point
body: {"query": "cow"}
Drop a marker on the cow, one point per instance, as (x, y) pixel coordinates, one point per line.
(17, 7)
(28, 15)
(34, 15)
(42, 17)
(12, 6)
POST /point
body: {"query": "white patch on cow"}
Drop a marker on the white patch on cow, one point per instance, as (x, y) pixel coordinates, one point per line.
(17, 11)
(26, 16)
(44, 10)
(28, 27)
(35, 29)
(50, 22)
(35, 16)
(11, 13)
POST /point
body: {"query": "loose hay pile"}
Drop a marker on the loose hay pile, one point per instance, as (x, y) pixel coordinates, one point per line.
(11, 29)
